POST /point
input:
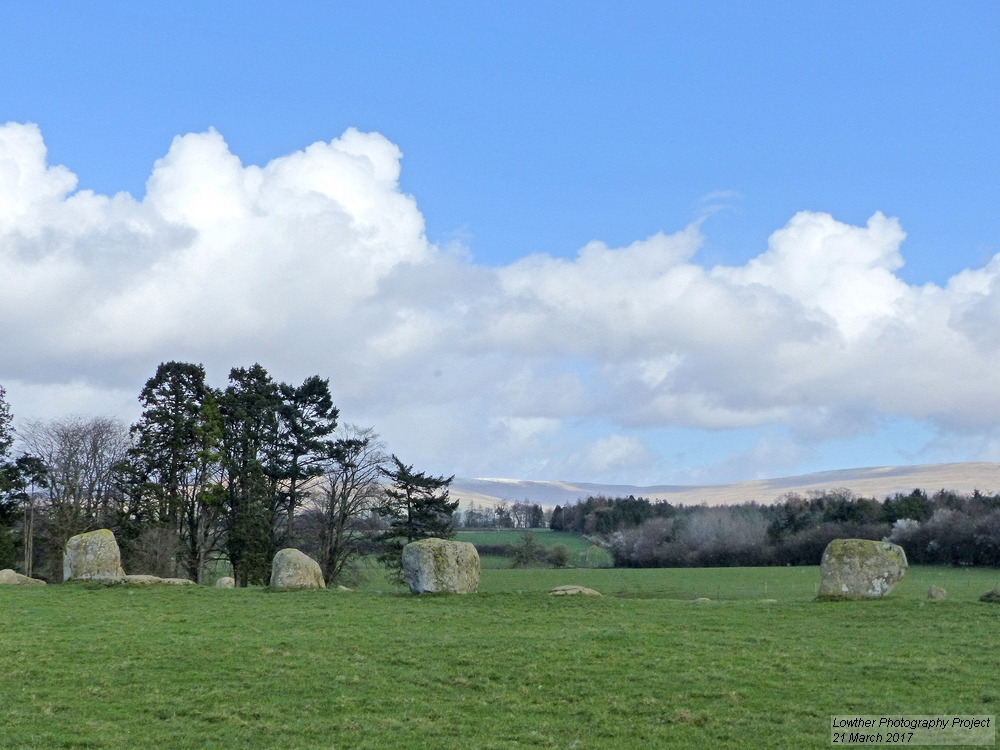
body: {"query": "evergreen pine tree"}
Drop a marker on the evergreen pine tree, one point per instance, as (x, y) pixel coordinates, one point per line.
(417, 507)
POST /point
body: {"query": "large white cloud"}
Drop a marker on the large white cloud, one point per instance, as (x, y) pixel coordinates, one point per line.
(316, 262)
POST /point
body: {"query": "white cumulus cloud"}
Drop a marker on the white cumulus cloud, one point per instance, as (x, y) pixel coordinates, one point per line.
(318, 263)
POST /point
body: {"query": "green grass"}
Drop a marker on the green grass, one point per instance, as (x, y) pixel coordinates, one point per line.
(582, 553)
(642, 667)
(575, 543)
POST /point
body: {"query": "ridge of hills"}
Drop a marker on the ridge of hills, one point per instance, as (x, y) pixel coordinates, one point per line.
(875, 481)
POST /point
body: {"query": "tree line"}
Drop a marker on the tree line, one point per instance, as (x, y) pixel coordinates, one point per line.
(945, 528)
(214, 474)
(504, 515)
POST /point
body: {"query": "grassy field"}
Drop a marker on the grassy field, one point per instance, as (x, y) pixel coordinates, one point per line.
(644, 666)
(582, 553)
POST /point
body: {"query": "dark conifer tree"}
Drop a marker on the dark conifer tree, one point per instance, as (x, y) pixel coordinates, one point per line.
(308, 417)
(417, 507)
(249, 410)
(556, 522)
(167, 434)
(175, 460)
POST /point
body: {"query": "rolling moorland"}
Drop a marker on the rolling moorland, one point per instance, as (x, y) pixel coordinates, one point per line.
(646, 665)
(877, 481)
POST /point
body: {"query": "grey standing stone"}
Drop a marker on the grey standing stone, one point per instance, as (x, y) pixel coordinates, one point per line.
(292, 569)
(93, 556)
(860, 569)
(441, 566)
(226, 582)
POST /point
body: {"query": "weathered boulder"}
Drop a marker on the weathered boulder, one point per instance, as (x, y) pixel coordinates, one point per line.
(292, 569)
(226, 582)
(144, 580)
(937, 593)
(991, 596)
(573, 590)
(860, 569)
(441, 566)
(93, 556)
(12, 578)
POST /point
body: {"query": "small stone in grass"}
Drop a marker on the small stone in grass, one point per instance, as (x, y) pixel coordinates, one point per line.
(573, 590)
(937, 593)
(991, 596)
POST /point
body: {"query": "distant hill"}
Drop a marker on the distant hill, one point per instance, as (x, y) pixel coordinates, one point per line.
(876, 481)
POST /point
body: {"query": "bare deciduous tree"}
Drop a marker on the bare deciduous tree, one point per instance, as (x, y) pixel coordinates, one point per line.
(80, 455)
(349, 491)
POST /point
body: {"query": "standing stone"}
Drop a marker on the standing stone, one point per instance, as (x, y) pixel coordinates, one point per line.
(93, 556)
(937, 593)
(991, 596)
(226, 582)
(860, 569)
(437, 565)
(292, 569)
(13, 578)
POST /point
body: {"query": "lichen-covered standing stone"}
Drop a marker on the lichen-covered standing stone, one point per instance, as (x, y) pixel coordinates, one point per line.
(13, 578)
(93, 556)
(226, 582)
(440, 566)
(937, 593)
(292, 569)
(860, 569)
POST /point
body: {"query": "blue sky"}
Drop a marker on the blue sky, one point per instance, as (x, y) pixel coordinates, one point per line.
(539, 127)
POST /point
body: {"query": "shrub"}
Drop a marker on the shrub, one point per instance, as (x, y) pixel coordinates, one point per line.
(559, 556)
(528, 550)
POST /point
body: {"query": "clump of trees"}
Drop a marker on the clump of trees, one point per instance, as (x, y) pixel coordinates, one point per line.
(504, 515)
(603, 515)
(946, 528)
(209, 475)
